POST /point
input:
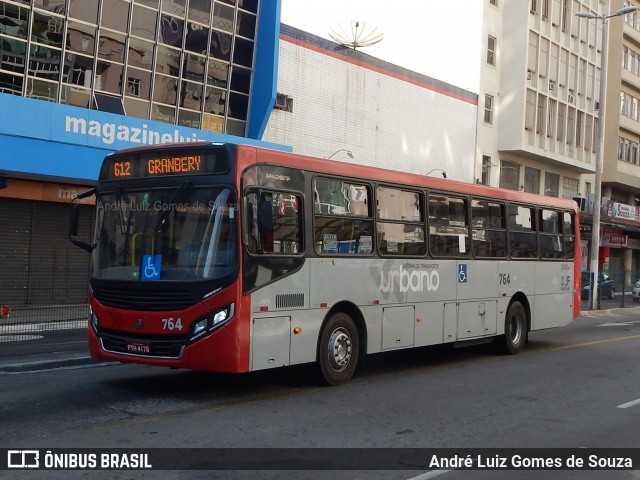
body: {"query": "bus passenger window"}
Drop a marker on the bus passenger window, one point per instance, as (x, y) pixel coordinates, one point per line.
(342, 217)
(274, 223)
(551, 244)
(568, 229)
(448, 226)
(522, 233)
(489, 237)
(400, 226)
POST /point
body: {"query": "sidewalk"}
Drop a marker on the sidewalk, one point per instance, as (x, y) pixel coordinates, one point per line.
(79, 354)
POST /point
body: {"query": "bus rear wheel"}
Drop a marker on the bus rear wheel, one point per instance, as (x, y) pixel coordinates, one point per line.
(515, 330)
(338, 350)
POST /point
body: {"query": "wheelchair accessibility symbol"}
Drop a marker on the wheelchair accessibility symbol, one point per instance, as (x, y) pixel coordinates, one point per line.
(151, 265)
(462, 273)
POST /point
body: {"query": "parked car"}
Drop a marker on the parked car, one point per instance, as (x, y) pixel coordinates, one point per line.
(606, 287)
(635, 293)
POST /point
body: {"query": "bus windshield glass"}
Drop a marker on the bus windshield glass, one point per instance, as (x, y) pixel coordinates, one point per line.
(176, 234)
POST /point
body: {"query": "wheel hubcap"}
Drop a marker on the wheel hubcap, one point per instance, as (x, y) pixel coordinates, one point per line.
(515, 329)
(340, 349)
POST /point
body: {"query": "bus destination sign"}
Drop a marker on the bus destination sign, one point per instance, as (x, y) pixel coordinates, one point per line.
(161, 166)
(167, 164)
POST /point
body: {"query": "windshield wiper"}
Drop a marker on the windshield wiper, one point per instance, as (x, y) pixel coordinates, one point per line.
(164, 213)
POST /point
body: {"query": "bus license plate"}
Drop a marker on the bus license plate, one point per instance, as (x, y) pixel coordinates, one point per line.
(138, 347)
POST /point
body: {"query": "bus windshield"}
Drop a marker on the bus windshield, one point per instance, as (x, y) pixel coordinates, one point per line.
(172, 234)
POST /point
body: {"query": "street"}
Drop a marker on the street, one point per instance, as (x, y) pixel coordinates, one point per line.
(563, 391)
(28, 333)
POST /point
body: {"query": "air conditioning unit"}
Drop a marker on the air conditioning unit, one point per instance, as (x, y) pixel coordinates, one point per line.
(552, 85)
(570, 98)
(283, 102)
(529, 74)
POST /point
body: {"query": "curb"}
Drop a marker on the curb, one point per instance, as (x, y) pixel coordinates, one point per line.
(38, 365)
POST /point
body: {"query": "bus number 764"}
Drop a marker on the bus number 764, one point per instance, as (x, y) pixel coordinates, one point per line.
(504, 278)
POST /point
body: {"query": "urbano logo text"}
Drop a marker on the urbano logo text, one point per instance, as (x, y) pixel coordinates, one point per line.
(415, 280)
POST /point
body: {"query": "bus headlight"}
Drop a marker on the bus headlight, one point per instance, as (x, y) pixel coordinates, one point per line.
(201, 326)
(211, 322)
(93, 318)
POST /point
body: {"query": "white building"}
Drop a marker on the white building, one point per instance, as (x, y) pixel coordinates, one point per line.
(333, 98)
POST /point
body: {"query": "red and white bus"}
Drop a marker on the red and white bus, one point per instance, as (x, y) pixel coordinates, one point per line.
(233, 258)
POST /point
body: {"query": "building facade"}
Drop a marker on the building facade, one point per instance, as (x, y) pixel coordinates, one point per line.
(539, 110)
(621, 158)
(333, 99)
(82, 78)
(186, 63)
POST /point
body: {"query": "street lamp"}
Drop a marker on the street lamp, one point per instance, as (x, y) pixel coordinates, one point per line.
(444, 174)
(348, 152)
(595, 228)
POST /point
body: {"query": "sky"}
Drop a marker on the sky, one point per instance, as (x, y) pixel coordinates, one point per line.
(437, 38)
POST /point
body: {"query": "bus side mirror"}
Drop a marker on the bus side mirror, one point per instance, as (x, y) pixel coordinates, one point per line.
(247, 220)
(74, 221)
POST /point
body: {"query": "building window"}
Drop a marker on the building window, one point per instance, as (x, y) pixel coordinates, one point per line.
(531, 180)
(493, 2)
(551, 118)
(551, 184)
(509, 175)
(133, 86)
(486, 170)
(491, 50)
(530, 113)
(534, 6)
(571, 124)
(488, 109)
(569, 187)
(542, 113)
(532, 52)
(588, 132)
(579, 128)
(561, 121)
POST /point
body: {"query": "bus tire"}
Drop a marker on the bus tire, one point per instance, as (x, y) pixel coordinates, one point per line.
(515, 330)
(338, 350)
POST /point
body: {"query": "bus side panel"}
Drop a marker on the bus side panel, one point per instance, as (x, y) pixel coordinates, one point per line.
(477, 279)
(554, 295)
(356, 281)
(277, 309)
(429, 283)
(430, 323)
(513, 277)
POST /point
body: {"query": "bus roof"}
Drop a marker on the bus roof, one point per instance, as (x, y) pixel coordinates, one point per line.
(392, 176)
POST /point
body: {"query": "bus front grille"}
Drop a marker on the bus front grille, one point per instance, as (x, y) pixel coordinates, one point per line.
(148, 301)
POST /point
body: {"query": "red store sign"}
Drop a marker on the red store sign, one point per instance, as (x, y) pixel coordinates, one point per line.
(612, 237)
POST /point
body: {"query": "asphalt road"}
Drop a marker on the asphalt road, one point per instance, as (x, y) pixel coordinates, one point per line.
(565, 390)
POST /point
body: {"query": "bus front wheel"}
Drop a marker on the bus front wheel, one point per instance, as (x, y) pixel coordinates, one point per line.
(338, 349)
(515, 330)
